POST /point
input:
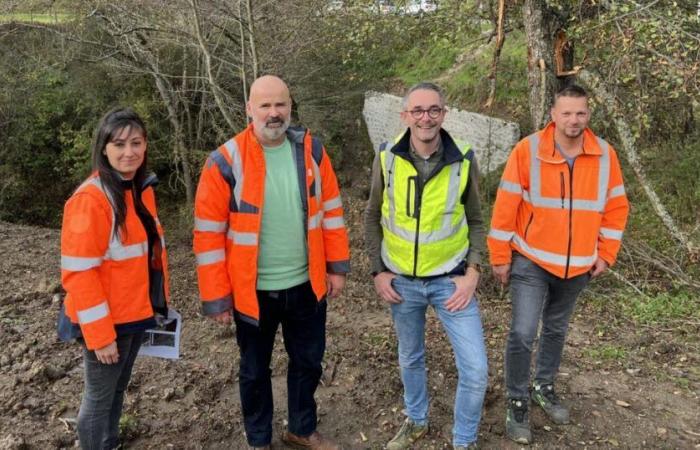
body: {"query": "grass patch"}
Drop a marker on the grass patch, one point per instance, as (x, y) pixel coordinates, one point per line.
(606, 352)
(419, 65)
(663, 308)
(45, 18)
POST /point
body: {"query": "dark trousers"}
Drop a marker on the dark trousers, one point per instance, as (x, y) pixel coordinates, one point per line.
(303, 321)
(103, 397)
(536, 293)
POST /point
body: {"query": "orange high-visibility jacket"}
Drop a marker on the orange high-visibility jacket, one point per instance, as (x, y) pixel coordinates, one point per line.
(560, 218)
(105, 276)
(228, 214)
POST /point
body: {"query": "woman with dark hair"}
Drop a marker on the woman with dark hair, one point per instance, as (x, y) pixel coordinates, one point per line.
(114, 271)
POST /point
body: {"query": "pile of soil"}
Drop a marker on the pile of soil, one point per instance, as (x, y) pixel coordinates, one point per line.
(648, 399)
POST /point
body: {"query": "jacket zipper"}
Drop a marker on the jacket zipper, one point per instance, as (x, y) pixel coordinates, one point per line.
(417, 206)
(562, 188)
(571, 209)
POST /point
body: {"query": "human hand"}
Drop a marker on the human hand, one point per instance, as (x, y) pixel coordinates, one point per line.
(463, 294)
(501, 273)
(224, 318)
(335, 283)
(109, 354)
(382, 284)
(599, 267)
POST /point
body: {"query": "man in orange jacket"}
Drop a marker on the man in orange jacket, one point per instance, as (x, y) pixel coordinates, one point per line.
(558, 220)
(271, 246)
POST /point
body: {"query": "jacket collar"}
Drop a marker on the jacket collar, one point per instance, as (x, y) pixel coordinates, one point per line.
(451, 152)
(547, 152)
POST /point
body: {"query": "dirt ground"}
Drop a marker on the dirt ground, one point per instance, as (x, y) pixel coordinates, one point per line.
(646, 398)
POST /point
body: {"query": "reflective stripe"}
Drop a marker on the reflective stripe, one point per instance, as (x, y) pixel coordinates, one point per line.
(501, 235)
(243, 238)
(609, 233)
(387, 260)
(509, 186)
(217, 306)
(441, 270)
(93, 314)
(617, 191)
(535, 197)
(449, 265)
(338, 266)
(315, 220)
(210, 225)
(555, 258)
(236, 167)
(425, 237)
(118, 252)
(78, 263)
(389, 185)
(332, 203)
(333, 223)
(210, 257)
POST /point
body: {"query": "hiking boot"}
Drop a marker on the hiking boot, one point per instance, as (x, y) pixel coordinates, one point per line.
(314, 441)
(544, 395)
(518, 421)
(409, 433)
(471, 446)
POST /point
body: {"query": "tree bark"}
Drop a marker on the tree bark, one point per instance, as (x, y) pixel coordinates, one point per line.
(541, 25)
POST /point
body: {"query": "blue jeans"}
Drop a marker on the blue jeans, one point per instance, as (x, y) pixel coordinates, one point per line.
(103, 397)
(303, 321)
(536, 293)
(465, 333)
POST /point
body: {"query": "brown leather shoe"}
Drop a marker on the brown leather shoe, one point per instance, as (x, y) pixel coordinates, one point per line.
(315, 441)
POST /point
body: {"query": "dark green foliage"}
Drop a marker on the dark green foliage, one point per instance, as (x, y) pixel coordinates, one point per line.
(49, 107)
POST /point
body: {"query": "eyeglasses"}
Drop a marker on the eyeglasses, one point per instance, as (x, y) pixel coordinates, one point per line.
(433, 112)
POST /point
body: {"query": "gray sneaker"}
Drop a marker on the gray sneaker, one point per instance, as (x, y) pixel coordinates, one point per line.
(518, 421)
(544, 395)
(409, 433)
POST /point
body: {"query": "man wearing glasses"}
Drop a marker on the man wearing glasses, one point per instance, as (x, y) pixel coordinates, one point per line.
(425, 235)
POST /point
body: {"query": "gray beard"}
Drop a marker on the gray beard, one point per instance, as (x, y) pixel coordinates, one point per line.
(273, 134)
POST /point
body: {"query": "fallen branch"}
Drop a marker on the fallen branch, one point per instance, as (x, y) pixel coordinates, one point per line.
(628, 146)
(500, 37)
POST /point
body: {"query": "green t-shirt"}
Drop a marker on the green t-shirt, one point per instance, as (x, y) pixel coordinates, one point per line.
(282, 256)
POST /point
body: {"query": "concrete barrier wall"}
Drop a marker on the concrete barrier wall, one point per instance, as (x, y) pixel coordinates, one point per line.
(492, 139)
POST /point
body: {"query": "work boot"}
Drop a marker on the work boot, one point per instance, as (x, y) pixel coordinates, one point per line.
(518, 421)
(409, 433)
(544, 395)
(314, 441)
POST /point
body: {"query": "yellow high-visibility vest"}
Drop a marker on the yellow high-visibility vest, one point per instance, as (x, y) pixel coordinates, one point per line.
(425, 230)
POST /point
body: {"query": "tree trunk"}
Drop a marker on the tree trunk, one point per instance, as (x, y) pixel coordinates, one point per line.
(215, 89)
(251, 37)
(541, 25)
(180, 147)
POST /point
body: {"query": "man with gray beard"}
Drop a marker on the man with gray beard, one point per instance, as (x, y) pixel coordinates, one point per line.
(271, 246)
